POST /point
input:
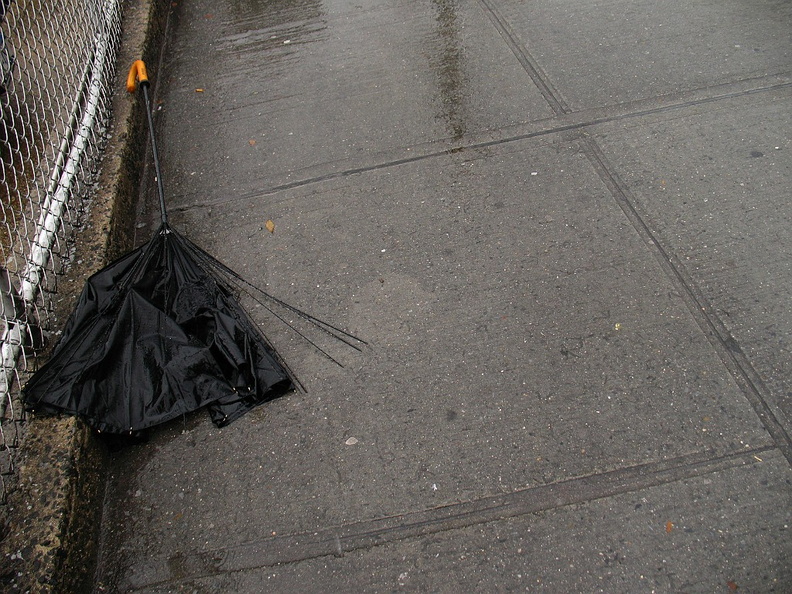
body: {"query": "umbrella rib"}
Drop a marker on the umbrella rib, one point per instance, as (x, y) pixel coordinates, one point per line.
(296, 331)
(333, 331)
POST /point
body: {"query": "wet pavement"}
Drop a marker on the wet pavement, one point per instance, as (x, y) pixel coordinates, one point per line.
(564, 231)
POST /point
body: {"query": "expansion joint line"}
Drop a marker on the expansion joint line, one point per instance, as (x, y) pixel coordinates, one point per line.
(540, 79)
(366, 534)
(727, 347)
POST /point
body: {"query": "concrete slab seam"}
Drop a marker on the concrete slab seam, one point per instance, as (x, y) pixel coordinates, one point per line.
(337, 541)
(547, 127)
(546, 88)
(725, 344)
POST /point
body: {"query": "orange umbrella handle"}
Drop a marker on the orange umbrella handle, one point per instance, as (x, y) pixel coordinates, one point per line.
(137, 73)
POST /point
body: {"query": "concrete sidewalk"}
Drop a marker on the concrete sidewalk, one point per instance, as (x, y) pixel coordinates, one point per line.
(564, 230)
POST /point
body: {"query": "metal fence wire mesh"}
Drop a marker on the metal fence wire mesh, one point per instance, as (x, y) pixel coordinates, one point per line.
(57, 63)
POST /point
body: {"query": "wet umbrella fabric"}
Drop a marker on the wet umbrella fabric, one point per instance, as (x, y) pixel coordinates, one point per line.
(160, 333)
(155, 335)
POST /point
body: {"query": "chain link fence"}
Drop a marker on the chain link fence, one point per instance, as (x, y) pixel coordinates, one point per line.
(57, 63)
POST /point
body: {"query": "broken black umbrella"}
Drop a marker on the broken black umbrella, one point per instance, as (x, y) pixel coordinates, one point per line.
(160, 333)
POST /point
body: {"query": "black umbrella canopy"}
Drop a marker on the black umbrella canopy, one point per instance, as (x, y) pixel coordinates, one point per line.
(160, 333)
(156, 335)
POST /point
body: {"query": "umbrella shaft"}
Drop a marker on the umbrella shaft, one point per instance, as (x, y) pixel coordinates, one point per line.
(157, 172)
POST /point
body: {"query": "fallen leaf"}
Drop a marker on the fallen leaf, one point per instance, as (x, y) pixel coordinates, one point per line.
(199, 90)
(270, 226)
(669, 526)
(732, 585)
(351, 441)
(252, 142)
